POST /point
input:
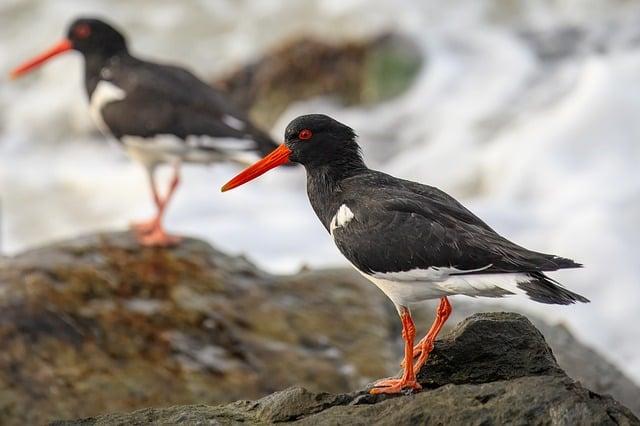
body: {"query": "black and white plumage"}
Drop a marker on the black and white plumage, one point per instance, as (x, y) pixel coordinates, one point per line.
(413, 241)
(161, 114)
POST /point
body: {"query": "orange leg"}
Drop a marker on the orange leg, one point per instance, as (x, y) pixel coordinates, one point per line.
(152, 233)
(408, 379)
(425, 346)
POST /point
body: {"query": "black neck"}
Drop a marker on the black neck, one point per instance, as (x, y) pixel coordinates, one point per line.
(94, 62)
(324, 185)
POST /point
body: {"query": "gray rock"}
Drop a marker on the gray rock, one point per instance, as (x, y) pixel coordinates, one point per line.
(590, 368)
(469, 353)
(97, 324)
(492, 369)
(579, 361)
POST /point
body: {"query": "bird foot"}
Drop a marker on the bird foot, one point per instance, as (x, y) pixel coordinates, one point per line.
(158, 238)
(392, 385)
(146, 227)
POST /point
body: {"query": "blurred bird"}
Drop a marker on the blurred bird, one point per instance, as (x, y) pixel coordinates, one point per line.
(161, 114)
(413, 241)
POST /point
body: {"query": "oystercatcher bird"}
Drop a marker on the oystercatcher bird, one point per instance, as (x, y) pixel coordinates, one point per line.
(413, 241)
(161, 114)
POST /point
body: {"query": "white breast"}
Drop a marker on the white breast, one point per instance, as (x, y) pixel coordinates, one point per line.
(104, 93)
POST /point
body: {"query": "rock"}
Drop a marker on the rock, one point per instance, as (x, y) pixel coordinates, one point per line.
(509, 377)
(358, 72)
(579, 361)
(98, 324)
(469, 353)
(590, 368)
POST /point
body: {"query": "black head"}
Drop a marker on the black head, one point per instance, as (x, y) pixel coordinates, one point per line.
(90, 35)
(315, 141)
(318, 139)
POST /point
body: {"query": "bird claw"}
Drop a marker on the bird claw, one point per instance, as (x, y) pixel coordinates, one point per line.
(146, 227)
(393, 386)
(158, 238)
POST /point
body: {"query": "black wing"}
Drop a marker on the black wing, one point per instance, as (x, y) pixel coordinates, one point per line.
(163, 99)
(400, 225)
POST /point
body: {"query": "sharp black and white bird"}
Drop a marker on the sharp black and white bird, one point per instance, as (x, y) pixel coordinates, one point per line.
(413, 241)
(161, 114)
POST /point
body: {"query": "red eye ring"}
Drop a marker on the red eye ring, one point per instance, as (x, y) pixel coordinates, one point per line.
(82, 31)
(305, 134)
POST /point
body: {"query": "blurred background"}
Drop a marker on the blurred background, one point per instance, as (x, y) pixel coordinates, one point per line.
(526, 111)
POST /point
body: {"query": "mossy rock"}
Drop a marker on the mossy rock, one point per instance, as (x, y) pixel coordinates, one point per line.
(355, 73)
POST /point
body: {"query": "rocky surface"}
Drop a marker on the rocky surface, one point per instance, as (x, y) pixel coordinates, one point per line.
(98, 324)
(357, 72)
(579, 361)
(492, 369)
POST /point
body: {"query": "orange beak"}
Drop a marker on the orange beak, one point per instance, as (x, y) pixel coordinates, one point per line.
(276, 158)
(61, 47)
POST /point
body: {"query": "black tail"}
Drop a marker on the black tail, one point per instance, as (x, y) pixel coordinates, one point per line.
(543, 289)
(563, 262)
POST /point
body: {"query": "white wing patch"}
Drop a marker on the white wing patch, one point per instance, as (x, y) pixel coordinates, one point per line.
(433, 273)
(233, 122)
(341, 218)
(104, 93)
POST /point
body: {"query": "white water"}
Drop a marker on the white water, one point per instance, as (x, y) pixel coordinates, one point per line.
(545, 150)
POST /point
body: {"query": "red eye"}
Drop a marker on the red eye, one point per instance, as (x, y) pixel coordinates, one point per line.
(82, 31)
(305, 134)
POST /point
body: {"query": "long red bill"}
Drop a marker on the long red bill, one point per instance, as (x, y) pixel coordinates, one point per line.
(61, 47)
(276, 158)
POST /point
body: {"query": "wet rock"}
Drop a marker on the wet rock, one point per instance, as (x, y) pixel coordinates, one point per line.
(470, 352)
(98, 324)
(524, 386)
(590, 368)
(579, 361)
(358, 72)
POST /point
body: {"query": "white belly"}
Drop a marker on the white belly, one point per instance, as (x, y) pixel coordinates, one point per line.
(407, 293)
(407, 290)
(162, 149)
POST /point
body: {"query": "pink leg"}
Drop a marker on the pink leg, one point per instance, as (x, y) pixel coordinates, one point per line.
(408, 379)
(147, 226)
(154, 235)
